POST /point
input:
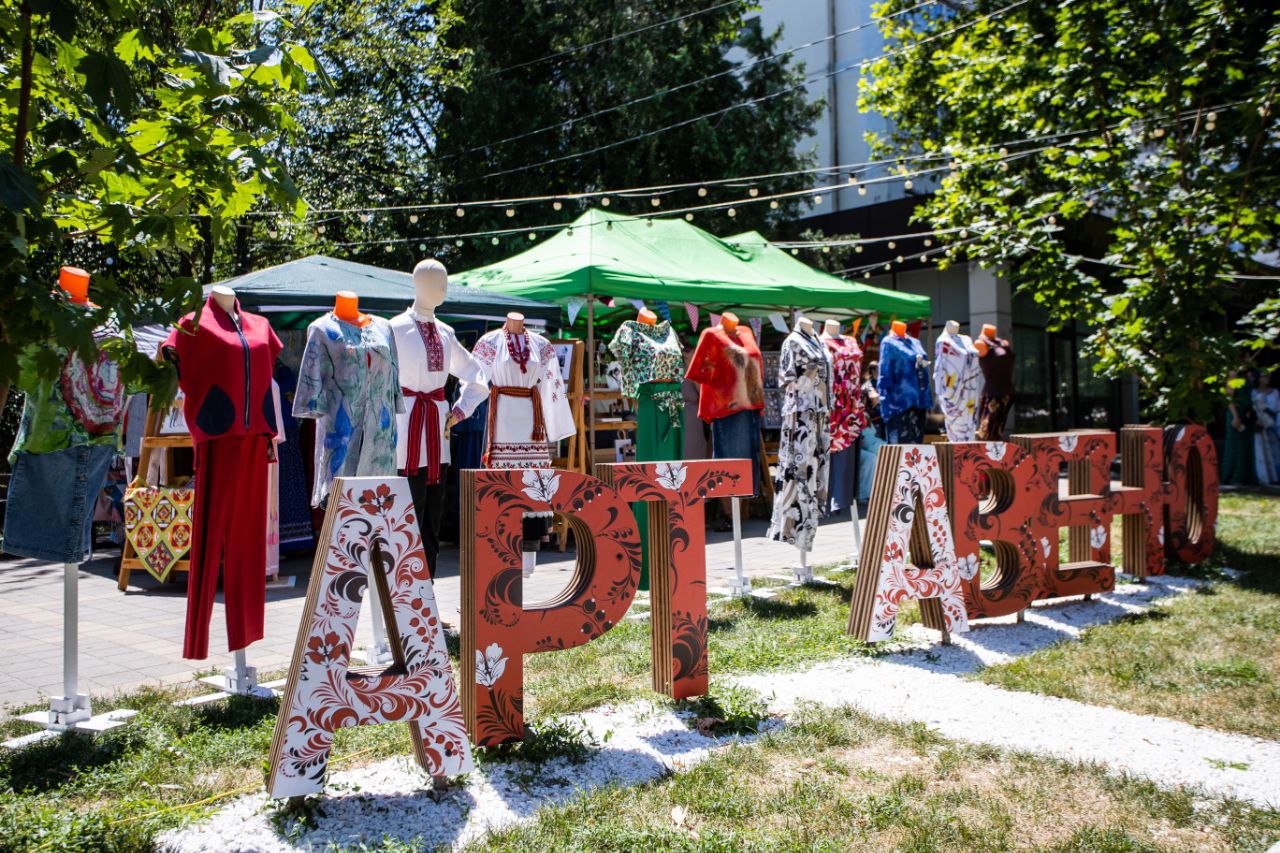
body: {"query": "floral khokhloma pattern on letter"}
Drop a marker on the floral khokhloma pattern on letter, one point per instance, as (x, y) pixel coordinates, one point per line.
(368, 516)
(900, 581)
(499, 630)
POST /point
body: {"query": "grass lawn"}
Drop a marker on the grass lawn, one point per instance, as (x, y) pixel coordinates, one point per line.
(1211, 658)
(838, 780)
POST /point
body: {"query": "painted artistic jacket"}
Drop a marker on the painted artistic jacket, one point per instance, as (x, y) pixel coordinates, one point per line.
(957, 380)
(804, 374)
(730, 371)
(224, 371)
(904, 376)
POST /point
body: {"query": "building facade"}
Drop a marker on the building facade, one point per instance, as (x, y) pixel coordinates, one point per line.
(1056, 388)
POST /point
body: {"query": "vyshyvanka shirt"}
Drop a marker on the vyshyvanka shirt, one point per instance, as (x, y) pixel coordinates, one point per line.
(82, 405)
(847, 418)
(729, 368)
(904, 379)
(957, 380)
(429, 353)
(224, 371)
(646, 354)
(350, 382)
(528, 405)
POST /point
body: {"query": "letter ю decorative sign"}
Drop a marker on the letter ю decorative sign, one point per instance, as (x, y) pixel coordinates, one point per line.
(498, 629)
(1008, 493)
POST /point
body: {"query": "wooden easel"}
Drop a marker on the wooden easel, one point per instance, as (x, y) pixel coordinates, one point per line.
(575, 458)
(152, 441)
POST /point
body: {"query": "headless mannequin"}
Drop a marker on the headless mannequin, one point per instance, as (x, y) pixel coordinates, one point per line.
(226, 299)
(647, 317)
(514, 323)
(346, 307)
(952, 328)
(831, 329)
(898, 328)
(805, 325)
(803, 573)
(729, 322)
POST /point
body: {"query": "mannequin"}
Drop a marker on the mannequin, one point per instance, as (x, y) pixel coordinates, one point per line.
(728, 368)
(225, 367)
(996, 362)
(847, 421)
(904, 386)
(346, 307)
(957, 381)
(651, 363)
(349, 383)
(800, 484)
(429, 353)
(528, 409)
(69, 429)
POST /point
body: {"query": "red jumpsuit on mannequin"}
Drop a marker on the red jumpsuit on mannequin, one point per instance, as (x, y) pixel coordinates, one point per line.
(224, 369)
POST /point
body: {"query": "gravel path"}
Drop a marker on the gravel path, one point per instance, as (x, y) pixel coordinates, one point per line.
(924, 682)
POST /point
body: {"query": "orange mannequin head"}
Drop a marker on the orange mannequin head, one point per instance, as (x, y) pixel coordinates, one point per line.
(647, 317)
(75, 282)
(899, 328)
(346, 307)
(729, 321)
(989, 331)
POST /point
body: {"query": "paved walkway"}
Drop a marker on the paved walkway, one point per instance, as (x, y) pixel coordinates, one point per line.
(134, 638)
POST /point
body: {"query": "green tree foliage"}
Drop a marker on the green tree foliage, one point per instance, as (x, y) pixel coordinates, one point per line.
(131, 133)
(1161, 148)
(444, 132)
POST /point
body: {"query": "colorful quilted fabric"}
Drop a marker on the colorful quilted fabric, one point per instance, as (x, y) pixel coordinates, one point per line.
(157, 522)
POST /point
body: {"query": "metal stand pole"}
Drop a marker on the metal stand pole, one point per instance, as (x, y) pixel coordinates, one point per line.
(741, 584)
(379, 654)
(803, 572)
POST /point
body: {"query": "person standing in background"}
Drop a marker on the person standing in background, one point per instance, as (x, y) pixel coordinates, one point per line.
(1237, 448)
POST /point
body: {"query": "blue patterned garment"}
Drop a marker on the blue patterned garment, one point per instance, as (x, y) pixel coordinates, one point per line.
(349, 381)
(904, 376)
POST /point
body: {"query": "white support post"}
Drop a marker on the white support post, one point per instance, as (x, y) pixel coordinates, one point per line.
(741, 584)
(857, 532)
(72, 710)
(239, 679)
(528, 562)
(803, 572)
(379, 654)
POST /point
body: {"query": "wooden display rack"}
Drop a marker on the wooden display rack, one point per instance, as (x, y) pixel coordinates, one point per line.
(152, 440)
(575, 458)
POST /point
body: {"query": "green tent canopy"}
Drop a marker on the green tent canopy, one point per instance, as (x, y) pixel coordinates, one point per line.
(305, 287)
(606, 254)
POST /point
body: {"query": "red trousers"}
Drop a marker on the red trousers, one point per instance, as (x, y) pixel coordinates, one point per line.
(230, 530)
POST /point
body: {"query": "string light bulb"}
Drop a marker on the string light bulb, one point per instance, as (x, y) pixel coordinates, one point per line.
(1004, 152)
(773, 205)
(732, 213)
(1211, 117)
(422, 247)
(928, 242)
(390, 248)
(964, 233)
(826, 250)
(460, 213)
(753, 192)
(1004, 165)
(511, 211)
(1158, 132)
(555, 205)
(1053, 220)
(655, 201)
(853, 179)
(458, 243)
(688, 217)
(413, 217)
(867, 274)
(898, 259)
(320, 228)
(862, 190)
(907, 184)
(858, 248)
(702, 192)
(817, 199)
(604, 202)
(365, 217)
(892, 245)
(494, 241)
(888, 266)
(533, 235)
(795, 251)
(272, 233)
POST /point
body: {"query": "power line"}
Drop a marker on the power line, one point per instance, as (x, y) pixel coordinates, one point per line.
(753, 101)
(569, 122)
(579, 48)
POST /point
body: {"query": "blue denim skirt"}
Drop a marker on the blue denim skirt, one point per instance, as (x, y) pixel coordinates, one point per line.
(737, 436)
(49, 511)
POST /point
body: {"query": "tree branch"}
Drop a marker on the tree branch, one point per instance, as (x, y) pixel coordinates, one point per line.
(24, 89)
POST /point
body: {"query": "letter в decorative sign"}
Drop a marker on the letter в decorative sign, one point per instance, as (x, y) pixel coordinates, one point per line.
(1191, 508)
(678, 558)
(369, 532)
(497, 628)
(907, 551)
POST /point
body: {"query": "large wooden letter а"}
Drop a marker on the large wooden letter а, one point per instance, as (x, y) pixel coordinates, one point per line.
(369, 533)
(907, 551)
(497, 629)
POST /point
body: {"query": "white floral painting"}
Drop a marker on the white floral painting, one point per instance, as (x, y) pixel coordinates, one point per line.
(490, 664)
(540, 484)
(671, 475)
(1068, 442)
(995, 450)
(969, 566)
(1098, 537)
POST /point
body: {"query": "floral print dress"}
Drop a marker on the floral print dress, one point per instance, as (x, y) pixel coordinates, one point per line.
(349, 381)
(957, 381)
(800, 484)
(847, 418)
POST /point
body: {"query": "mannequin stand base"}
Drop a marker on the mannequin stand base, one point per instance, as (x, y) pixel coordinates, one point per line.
(238, 680)
(286, 582)
(530, 562)
(739, 586)
(68, 714)
(379, 654)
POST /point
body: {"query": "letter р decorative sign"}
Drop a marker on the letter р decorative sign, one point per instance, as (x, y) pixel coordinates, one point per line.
(1009, 494)
(369, 534)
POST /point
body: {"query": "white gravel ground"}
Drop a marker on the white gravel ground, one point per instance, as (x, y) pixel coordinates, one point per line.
(390, 799)
(922, 683)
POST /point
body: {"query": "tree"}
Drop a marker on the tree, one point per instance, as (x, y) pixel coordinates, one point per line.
(132, 134)
(1150, 132)
(568, 111)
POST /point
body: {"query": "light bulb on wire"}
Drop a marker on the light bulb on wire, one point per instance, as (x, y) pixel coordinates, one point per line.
(511, 211)
(604, 202)
(753, 192)
(413, 217)
(702, 192)
(655, 201)
(460, 213)
(773, 205)
(555, 205)
(732, 213)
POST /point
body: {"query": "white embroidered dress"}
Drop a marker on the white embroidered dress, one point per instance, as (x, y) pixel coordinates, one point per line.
(511, 442)
(957, 382)
(423, 372)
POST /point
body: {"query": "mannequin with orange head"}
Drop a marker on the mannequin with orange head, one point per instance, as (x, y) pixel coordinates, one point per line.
(346, 307)
(996, 402)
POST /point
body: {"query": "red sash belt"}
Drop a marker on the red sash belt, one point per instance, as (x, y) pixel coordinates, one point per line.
(424, 421)
(530, 394)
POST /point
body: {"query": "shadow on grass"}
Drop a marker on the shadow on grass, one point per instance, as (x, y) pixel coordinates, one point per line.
(236, 712)
(50, 764)
(1153, 615)
(765, 608)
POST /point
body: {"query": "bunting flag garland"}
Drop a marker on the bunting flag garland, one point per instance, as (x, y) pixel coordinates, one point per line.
(779, 322)
(913, 329)
(664, 310)
(715, 318)
(607, 301)
(756, 324)
(573, 306)
(692, 311)
(638, 304)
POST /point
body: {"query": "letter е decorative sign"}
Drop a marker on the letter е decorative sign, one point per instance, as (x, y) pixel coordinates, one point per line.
(369, 532)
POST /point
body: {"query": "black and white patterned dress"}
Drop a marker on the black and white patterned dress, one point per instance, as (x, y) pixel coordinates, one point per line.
(800, 484)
